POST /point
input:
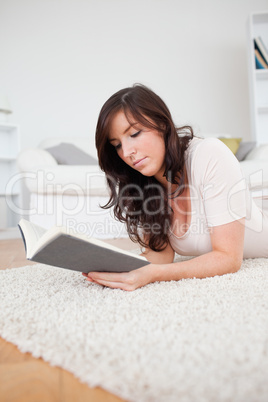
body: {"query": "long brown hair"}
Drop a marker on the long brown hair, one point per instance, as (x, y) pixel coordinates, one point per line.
(147, 217)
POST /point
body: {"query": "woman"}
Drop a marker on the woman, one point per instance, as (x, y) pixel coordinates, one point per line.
(175, 192)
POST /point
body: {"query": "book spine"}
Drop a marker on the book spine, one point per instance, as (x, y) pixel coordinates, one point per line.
(258, 45)
(263, 45)
(260, 63)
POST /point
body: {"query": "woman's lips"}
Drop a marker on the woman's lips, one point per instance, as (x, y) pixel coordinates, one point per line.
(139, 162)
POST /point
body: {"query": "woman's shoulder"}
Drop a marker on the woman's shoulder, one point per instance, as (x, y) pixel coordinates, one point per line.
(205, 142)
(208, 148)
(207, 155)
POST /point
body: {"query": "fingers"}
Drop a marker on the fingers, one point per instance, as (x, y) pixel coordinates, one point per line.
(111, 280)
(113, 285)
(107, 276)
(89, 280)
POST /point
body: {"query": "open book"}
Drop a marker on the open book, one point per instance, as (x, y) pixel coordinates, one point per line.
(75, 251)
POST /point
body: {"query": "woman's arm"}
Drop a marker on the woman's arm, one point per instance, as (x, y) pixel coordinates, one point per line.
(159, 257)
(226, 257)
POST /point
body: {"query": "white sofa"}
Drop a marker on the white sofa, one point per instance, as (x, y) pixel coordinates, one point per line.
(255, 169)
(68, 195)
(71, 195)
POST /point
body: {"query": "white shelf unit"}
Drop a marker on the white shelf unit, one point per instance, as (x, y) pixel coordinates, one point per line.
(258, 80)
(10, 196)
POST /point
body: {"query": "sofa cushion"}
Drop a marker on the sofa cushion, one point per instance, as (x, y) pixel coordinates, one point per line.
(232, 143)
(255, 172)
(29, 158)
(258, 153)
(244, 149)
(69, 154)
(72, 180)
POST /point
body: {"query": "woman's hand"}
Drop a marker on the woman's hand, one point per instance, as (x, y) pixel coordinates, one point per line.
(126, 280)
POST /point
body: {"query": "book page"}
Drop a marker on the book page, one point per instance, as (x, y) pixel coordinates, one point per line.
(40, 237)
(32, 233)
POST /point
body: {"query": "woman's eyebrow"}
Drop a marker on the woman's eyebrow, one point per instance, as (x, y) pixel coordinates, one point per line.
(130, 126)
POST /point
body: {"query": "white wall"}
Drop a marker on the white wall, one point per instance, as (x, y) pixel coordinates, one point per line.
(61, 59)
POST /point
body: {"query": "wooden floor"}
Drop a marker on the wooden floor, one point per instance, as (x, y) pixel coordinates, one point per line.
(26, 379)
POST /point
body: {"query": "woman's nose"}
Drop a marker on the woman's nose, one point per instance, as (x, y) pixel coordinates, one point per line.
(128, 150)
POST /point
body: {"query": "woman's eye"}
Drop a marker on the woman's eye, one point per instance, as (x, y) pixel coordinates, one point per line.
(118, 146)
(135, 134)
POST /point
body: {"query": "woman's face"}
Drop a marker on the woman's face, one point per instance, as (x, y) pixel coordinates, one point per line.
(140, 147)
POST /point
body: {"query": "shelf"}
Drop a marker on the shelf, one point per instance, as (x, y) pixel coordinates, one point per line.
(262, 109)
(258, 79)
(260, 18)
(9, 194)
(15, 194)
(8, 126)
(7, 159)
(261, 74)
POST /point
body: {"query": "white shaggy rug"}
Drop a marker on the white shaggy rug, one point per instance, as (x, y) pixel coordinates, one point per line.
(189, 341)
